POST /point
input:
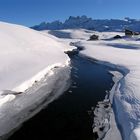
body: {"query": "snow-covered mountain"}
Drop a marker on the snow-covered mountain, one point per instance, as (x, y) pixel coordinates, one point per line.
(89, 23)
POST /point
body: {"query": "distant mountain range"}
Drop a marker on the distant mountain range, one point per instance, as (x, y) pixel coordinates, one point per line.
(90, 24)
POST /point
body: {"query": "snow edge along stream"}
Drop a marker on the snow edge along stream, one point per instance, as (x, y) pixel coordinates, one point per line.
(105, 123)
(42, 89)
(108, 115)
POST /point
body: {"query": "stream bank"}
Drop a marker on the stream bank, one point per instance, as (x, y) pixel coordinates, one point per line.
(70, 117)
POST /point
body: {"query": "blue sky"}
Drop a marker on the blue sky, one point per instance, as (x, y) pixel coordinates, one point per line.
(31, 12)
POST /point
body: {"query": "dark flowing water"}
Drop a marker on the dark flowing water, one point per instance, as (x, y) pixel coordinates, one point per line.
(67, 118)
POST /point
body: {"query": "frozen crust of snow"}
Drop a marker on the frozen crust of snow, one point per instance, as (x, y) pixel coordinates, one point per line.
(27, 104)
(122, 54)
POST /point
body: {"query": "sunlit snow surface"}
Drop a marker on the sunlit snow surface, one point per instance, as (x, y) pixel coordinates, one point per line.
(34, 71)
(126, 97)
(124, 55)
(27, 56)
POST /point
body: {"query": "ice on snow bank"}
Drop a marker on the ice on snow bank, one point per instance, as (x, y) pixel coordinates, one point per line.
(126, 97)
(36, 78)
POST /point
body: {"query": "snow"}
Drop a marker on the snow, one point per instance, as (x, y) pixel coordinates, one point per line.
(26, 55)
(124, 56)
(101, 118)
(34, 71)
(73, 33)
(113, 132)
(104, 120)
(33, 62)
(27, 104)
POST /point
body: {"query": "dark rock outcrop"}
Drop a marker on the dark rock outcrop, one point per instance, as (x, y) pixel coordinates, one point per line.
(131, 33)
(94, 37)
(117, 37)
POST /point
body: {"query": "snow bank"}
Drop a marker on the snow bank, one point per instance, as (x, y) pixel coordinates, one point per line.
(29, 103)
(123, 54)
(24, 54)
(113, 132)
(34, 71)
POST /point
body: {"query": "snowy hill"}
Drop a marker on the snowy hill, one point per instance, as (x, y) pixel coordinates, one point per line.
(89, 23)
(23, 52)
(29, 61)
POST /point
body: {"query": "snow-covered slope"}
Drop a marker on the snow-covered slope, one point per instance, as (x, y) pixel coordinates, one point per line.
(34, 71)
(123, 55)
(24, 53)
(89, 23)
(36, 59)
